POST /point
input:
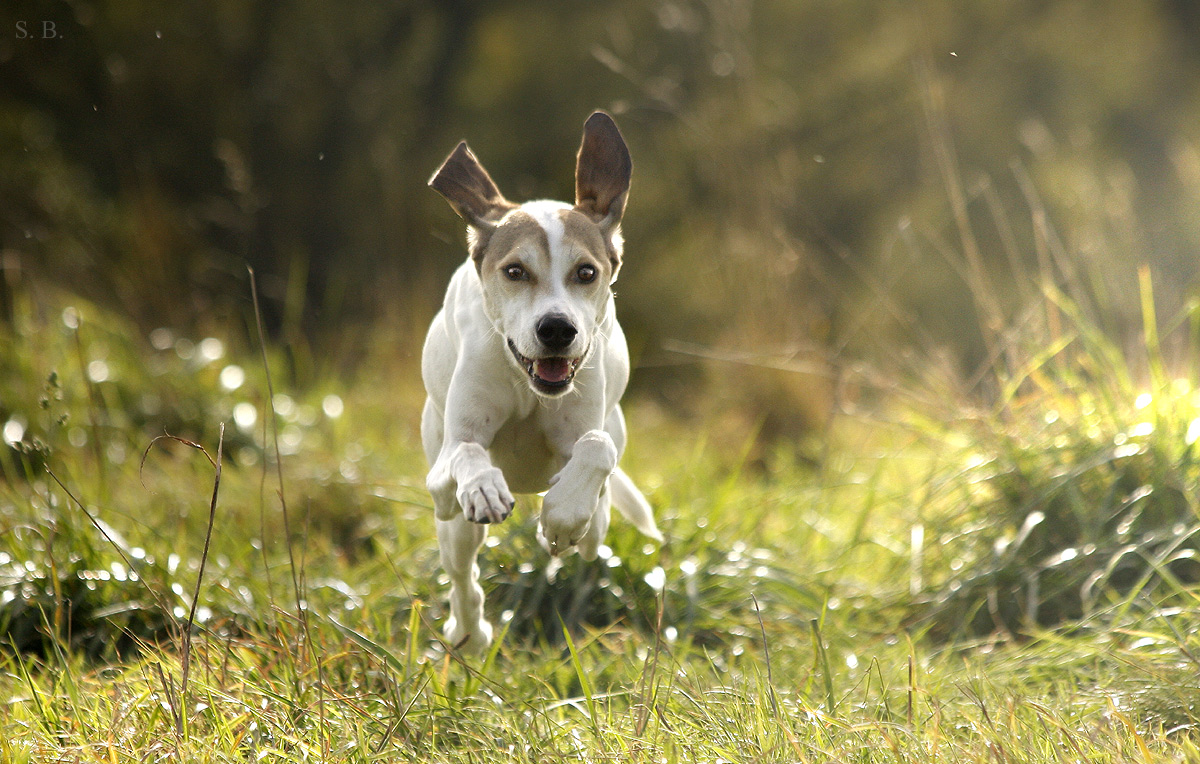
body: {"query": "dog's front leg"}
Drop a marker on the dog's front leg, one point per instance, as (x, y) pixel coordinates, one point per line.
(468, 492)
(575, 491)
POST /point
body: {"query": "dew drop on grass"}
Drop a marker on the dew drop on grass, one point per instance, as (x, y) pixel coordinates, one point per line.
(211, 349)
(657, 578)
(1141, 429)
(290, 440)
(14, 430)
(232, 377)
(285, 406)
(1193, 432)
(77, 436)
(332, 406)
(245, 415)
(98, 371)
(162, 339)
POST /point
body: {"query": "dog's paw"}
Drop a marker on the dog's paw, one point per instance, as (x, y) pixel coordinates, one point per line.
(485, 498)
(468, 640)
(566, 516)
(559, 538)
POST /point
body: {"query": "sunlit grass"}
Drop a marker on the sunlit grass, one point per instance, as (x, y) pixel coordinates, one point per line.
(793, 615)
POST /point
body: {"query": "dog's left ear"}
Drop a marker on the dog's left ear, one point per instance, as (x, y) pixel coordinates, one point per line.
(462, 181)
(602, 173)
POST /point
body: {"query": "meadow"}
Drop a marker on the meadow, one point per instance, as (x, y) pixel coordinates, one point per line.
(216, 549)
(911, 295)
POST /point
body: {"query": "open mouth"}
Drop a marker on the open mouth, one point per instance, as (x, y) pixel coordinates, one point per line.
(548, 375)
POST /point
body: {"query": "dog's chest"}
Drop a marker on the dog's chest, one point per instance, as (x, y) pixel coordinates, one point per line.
(523, 454)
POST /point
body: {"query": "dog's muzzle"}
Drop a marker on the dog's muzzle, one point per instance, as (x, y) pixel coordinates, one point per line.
(551, 375)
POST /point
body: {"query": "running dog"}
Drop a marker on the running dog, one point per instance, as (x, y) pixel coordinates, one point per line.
(524, 368)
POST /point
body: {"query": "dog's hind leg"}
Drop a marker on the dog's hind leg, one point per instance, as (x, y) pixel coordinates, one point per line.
(459, 542)
(630, 502)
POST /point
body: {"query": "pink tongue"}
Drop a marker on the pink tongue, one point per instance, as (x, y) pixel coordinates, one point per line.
(552, 369)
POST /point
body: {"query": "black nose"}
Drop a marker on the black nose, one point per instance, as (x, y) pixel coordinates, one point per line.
(555, 332)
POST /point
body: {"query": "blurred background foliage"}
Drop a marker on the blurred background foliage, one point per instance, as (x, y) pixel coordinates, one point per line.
(814, 181)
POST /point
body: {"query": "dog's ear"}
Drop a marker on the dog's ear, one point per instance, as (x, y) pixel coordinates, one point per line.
(602, 172)
(462, 181)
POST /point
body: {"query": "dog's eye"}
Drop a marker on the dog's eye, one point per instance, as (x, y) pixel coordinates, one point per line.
(586, 274)
(515, 272)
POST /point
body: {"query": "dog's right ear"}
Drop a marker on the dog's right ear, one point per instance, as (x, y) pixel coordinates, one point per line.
(462, 181)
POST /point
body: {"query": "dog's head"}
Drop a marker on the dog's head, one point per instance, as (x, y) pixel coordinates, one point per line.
(546, 268)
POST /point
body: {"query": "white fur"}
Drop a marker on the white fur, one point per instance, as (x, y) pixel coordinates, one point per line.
(547, 214)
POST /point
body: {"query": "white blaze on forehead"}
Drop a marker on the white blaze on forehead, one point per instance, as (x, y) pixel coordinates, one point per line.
(549, 216)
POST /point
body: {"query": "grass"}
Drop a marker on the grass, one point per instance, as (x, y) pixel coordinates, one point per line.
(910, 599)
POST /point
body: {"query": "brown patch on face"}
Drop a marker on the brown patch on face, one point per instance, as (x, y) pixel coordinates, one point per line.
(516, 228)
(582, 233)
